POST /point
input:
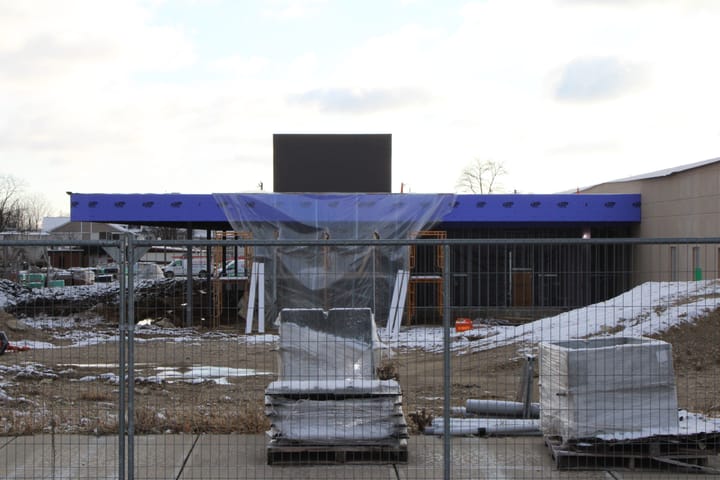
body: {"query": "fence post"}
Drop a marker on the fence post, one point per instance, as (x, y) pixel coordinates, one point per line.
(447, 380)
(131, 359)
(188, 281)
(122, 311)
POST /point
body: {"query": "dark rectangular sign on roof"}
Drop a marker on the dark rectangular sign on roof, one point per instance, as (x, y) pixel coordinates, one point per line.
(344, 163)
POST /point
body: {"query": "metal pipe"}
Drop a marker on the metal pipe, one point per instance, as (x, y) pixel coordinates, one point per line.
(484, 426)
(528, 405)
(501, 408)
(459, 411)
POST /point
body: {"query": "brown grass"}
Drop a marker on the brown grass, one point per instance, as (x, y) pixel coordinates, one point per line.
(147, 421)
(198, 420)
(96, 396)
(14, 423)
(388, 370)
(418, 420)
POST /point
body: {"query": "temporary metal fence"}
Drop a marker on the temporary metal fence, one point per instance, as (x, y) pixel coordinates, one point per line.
(479, 351)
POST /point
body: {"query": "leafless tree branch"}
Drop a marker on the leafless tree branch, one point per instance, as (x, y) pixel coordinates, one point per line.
(481, 176)
(18, 210)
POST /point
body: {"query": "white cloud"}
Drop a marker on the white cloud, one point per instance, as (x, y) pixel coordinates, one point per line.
(51, 39)
(240, 66)
(109, 96)
(72, 117)
(303, 68)
(680, 4)
(599, 78)
(403, 57)
(357, 101)
(292, 9)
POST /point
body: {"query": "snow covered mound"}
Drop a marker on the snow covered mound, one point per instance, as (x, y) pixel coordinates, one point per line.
(14, 295)
(10, 292)
(71, 299)
(649, 308)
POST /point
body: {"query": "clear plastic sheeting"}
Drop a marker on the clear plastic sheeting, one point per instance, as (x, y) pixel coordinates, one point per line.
(332, 276)
(327, 346)
(338, 344)
(609, 388)
(345, 388)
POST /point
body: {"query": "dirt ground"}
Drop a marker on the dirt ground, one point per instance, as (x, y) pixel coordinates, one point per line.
(696, 359)
(72, 389)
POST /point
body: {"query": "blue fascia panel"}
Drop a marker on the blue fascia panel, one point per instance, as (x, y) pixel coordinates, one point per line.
(145, 208)
(555, 208)
(503, 209)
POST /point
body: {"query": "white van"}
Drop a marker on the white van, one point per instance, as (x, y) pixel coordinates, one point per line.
(178, 267)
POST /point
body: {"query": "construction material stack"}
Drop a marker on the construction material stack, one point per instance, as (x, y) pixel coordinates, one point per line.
(612, 402)
(614, 388)
(328, 406)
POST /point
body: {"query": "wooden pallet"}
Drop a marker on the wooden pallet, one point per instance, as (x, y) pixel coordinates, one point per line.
(686, 454)
(299, 454)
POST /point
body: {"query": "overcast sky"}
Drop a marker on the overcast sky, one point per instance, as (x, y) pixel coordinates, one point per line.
(131, 96)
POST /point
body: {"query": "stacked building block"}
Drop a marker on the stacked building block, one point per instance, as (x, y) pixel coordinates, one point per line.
(327, 404)
(613, 388)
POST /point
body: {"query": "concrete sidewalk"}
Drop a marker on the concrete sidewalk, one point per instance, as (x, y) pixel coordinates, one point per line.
(243, 457)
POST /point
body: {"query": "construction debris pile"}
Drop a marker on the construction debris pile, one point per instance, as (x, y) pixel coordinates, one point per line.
(328, 404)
(490, 418)
(157, 299)
(495, 417)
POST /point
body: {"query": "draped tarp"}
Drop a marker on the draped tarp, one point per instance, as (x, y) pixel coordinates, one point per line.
(332, 276)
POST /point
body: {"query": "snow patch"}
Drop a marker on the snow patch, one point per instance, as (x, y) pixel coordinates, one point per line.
(647, 309)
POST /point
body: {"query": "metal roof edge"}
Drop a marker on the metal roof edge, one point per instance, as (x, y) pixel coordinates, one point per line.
(204, 209)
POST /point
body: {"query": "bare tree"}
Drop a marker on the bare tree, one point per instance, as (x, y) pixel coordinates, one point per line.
(19, 210)
(10, 190)
(481, 176)
(34, 207)
(165, 233)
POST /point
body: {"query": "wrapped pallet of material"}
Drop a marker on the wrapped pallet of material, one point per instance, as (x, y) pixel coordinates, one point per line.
(372, 420)
(327, 399)
(347, 412)
(614, 388)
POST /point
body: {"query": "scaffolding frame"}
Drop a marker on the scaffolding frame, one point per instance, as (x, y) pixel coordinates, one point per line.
(218, 282)
(434, 279)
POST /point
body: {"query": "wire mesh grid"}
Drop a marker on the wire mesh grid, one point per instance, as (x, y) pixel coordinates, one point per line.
(546, 359)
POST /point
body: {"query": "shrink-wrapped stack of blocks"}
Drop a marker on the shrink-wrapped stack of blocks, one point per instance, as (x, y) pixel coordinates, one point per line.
(614, 388)
(328, 404)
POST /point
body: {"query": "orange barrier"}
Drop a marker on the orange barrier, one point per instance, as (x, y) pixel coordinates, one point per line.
(463, 324)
